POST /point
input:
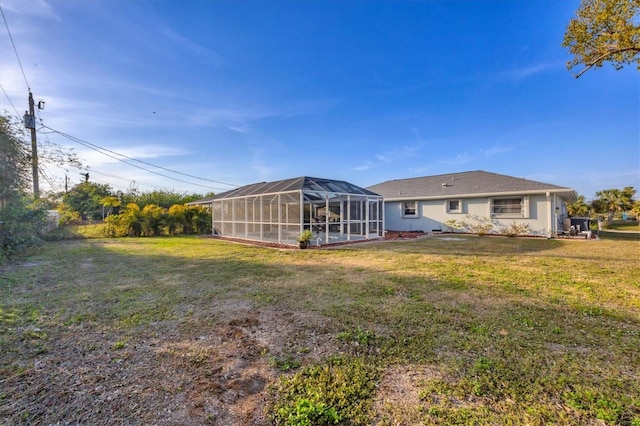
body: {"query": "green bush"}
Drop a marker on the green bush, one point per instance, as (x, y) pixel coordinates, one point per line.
(20, 229)
(308, 413)
(155, 220)
(127, 223)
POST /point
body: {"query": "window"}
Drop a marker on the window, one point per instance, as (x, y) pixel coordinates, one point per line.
(508, 206)
(454, 206)
(409, 209)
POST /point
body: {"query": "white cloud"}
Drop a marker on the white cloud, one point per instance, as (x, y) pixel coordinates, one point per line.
(366, 166)
(399, 154)
(496, 150)
(239, 128)
(459, 159)
(127, 169)
(482, 154)
(240, 115)
(593, 181)
(34, 8)
(230, 117)
(520, 73)
(197, 50)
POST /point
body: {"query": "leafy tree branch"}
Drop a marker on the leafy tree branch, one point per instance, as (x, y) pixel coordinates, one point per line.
(604, 30)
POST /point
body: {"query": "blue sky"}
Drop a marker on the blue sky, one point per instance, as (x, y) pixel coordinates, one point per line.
(239, 92)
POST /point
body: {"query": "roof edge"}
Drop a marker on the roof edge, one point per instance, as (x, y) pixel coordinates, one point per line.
(570, 191)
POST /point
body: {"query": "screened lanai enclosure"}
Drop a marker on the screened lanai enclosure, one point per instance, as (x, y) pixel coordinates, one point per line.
(277, 212)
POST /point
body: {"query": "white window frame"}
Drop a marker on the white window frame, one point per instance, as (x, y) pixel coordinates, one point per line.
(458, 210)
(524, 207)
(404, 207)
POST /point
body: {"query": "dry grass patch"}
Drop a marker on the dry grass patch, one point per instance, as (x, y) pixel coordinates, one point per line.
(398, 401)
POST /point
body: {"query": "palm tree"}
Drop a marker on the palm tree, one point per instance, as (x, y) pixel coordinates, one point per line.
(153, 219)
(612, 201)
(635, 210)
(110, 202)
(176, 218)
(578, 207)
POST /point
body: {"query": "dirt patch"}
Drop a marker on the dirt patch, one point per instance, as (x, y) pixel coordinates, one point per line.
(399, 394)
(192, 373)
(229, 367)
(87, 263)
(403, 235)
(13, 266)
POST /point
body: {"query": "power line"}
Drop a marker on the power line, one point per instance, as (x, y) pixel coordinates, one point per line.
(105, 174)
(14, 49)
(92, 171)
(109, 153)
(96, 147)
(136, 182)
(101, 149)
(9, 99)
(48, 179)
(107, 182)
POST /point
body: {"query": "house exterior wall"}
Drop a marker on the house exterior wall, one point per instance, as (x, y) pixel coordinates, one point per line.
(432, 215)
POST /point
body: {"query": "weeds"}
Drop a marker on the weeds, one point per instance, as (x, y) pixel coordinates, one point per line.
(284, 363)
(514, 229)
(358, 336)
(120, 344)
(340, 390)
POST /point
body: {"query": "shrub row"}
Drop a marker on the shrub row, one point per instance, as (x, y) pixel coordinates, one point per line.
(155, 220)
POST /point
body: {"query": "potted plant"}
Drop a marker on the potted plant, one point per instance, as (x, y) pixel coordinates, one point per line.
(304, 238)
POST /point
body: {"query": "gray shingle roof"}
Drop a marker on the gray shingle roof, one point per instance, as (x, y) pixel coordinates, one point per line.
(293, 184)
(473, 183)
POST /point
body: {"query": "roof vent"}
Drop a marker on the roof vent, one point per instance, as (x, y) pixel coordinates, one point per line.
(445, 184)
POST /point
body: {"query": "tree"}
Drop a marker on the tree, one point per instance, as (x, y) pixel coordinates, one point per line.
(86, 199)
(613, 201)
(635, 210)
(578, 207)
(200, 220)
(14, 162)
(604, 30)
(164, 198)
(176, 218)
(153, 220)
(21, 221)
(110, 202)
(127, 223)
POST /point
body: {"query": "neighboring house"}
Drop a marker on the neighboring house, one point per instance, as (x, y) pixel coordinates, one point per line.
(279, 211)
(431, 203)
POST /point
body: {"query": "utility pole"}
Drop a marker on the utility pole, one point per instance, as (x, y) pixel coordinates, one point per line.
(30, 123)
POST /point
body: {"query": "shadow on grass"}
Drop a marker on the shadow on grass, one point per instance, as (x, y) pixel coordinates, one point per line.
(469, 245)
(619, 235)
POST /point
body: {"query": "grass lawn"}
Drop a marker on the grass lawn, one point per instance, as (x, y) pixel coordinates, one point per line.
(625, 225)
(441, 330)
(621, 230)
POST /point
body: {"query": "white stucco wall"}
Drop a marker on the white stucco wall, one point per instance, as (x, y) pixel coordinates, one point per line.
(432, 214)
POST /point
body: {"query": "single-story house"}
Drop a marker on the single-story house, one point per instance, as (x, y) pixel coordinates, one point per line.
(470, 200)
(278, 212)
